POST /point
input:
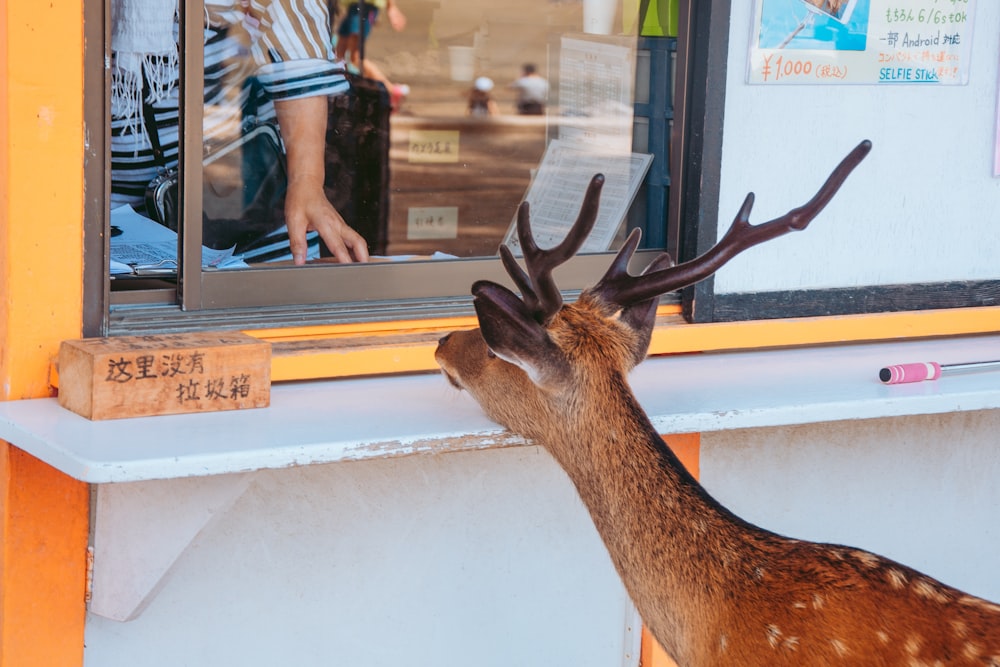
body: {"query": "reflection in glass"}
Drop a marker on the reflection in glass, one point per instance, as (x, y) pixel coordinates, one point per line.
(457, 177)
(405, 161)
(258, 59)
(267, 62)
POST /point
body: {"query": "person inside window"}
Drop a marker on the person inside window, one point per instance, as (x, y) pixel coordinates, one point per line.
(532, 91)
(481, 102)
(282, 45)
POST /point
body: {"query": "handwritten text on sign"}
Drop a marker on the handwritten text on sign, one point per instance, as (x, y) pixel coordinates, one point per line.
(432, 222)
(861, 41)
(130, 376)
(433, 146)
(187, 369)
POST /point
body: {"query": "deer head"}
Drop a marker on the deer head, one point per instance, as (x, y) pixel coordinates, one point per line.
(535, 357)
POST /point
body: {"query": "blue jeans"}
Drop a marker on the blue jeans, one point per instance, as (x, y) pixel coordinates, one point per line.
(351, 23)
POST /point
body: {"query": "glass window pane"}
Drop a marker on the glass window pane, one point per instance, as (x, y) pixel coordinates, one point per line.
(428, 133)
(502, 103)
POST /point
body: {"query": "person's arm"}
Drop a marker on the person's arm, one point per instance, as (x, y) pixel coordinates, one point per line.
(297, 69)
(303, 129)
(395, 15)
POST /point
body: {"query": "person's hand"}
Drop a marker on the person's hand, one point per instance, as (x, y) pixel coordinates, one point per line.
(307, 209)
(303, 129)
(396, 17)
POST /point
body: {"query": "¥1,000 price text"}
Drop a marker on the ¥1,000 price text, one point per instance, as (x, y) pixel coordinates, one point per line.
(778, 67)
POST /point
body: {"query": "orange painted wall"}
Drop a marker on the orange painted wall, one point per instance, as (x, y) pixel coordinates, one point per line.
(687, 447)
(43, 513)
(43, 563)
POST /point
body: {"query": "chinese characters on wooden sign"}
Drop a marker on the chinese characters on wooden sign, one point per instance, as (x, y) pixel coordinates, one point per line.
(184, 370)
(861, 41)
(109, 378)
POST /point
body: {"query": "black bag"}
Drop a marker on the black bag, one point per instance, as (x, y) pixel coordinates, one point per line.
(357, 159)
(243, 191)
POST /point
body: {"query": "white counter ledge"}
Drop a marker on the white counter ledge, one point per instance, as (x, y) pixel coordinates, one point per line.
(326, 421)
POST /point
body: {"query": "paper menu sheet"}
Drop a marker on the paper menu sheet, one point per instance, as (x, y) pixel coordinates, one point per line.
(595, 91)
(556, 194)
(139, 244)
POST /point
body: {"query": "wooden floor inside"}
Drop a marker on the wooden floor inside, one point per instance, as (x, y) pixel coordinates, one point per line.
(455, 183)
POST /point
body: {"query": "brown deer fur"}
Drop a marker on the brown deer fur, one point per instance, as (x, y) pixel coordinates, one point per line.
(712, 588)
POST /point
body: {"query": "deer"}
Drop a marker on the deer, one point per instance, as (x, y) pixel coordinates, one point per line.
(712, 588)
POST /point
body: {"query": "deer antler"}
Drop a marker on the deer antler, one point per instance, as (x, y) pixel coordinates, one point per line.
(538, 290)
(620, 288)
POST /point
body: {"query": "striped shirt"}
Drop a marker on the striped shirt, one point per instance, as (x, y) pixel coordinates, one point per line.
(282, 45)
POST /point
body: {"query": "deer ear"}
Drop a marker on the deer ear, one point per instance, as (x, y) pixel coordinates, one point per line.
(641, 316)
(513, 334)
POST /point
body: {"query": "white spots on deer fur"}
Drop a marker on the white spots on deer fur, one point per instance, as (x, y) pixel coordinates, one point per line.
(883, 636)
(773, 636)
(972, 650)
(990, 606)
(840, 647)
(776, 639)
(758, 573)
(960, 628)
(723, 643)
(926, 588)
(913, 644)
(799, 604)
(985, 605)
(867, 559)
(897, 579)
(818, 601)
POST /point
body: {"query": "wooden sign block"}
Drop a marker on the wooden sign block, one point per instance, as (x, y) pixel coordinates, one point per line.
(134, 376)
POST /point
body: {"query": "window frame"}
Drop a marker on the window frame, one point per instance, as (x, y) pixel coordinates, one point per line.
(330, 294)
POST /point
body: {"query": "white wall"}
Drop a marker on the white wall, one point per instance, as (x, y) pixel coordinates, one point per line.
(484, 558)
(488, 557)
(921, 208)
(920, 490)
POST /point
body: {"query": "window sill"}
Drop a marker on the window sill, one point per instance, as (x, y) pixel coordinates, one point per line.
(373, 417)
(309, 353)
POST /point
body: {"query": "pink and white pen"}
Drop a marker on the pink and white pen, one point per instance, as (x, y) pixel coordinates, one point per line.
(930, 370)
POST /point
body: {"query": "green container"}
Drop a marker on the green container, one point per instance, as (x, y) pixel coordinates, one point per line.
(662, 19)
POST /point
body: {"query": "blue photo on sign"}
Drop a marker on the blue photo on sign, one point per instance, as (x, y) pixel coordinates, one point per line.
(839, 25)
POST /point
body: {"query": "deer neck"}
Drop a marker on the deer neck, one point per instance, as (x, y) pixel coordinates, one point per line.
(678, 552)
